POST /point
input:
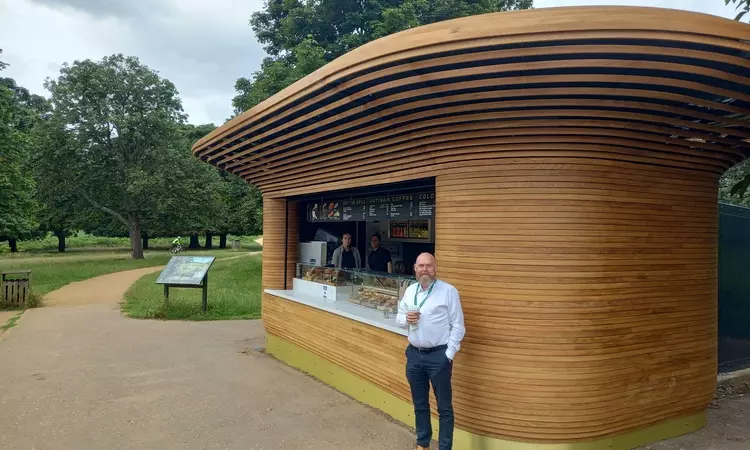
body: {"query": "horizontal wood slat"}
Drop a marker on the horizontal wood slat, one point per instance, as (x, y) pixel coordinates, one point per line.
(651, 96)
(592, 345)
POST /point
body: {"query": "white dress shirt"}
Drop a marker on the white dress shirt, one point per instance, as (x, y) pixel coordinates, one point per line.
(441, 319)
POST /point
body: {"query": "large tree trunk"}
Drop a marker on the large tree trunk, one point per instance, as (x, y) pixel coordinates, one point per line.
(223, 240)
(13, 245)
(209, 241)
(61, 234)
(135, 240)
(145, 241)
(194, 241)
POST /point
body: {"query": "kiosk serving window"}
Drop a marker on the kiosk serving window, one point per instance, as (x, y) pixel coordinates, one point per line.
(404, 222)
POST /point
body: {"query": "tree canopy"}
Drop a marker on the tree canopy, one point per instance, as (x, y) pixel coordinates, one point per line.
(301, 36)
(742, 7)
(122, 118)
(19, 114)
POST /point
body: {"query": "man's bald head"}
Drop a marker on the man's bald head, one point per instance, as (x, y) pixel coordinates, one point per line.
(425, 268)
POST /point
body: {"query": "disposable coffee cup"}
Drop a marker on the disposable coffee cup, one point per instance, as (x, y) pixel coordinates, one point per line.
(413, 308)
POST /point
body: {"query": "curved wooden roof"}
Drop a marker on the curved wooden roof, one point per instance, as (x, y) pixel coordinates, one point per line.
(647, 85)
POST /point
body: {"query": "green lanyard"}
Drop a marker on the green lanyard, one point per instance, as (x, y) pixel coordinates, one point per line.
(429, 291)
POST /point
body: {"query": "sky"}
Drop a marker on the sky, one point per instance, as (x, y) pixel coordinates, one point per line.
(202, 46)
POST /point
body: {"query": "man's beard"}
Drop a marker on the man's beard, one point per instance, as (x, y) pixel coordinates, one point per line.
(426, 279)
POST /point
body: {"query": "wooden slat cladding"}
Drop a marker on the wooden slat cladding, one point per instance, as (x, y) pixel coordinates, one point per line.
(668, 97)
(510, 29)
(578, 327)
(274, 242)
(292, 243)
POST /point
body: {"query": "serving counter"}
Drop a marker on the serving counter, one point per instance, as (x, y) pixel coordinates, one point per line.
(361, 295)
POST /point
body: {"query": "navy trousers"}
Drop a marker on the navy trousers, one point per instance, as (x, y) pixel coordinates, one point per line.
(422, 368)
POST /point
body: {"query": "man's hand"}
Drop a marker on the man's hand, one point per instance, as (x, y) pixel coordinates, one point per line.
(412, 317)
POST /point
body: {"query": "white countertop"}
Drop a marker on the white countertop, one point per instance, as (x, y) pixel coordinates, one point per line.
(343, 308)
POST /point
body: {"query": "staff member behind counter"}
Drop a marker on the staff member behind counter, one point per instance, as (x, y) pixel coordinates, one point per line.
(346, 256)
(379, 259)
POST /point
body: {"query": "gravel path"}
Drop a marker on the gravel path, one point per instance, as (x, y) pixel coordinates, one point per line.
(79, 375)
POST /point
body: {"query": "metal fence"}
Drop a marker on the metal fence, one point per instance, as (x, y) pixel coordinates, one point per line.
(734, 286)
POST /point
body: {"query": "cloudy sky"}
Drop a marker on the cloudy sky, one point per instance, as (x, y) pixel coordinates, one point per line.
(202, 46)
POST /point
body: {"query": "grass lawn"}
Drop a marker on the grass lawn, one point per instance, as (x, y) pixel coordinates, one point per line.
(234, 290)
(50, 273)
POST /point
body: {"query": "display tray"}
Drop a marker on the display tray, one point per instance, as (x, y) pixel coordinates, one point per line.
(381, 299)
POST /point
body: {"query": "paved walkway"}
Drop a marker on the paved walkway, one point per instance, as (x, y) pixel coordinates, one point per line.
(78, 375)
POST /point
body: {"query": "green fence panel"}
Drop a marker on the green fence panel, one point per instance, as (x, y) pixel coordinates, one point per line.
(734, 285)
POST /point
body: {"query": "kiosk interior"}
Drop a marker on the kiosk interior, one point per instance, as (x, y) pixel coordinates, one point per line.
(401, 215)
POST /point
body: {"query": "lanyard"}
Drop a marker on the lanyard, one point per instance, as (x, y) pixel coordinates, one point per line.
(429, 291)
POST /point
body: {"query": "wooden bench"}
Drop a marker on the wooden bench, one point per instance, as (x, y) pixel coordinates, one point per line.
(15, 288)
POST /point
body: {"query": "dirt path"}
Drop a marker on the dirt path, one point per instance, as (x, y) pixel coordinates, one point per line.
(102, 289)
(84, 376)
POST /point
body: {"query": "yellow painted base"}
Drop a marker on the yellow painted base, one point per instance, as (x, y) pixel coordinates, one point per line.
(402, 411)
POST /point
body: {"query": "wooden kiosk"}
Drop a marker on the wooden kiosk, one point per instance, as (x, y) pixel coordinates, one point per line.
(574, 156)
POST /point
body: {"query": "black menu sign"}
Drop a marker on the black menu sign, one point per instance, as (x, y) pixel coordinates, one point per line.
(425, 204)
(378, 208)
(401, 206)
(354, 209)
(397, 207)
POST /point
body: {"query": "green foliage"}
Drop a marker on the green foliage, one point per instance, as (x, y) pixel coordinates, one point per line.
(52, 166)
(276, 73)
(10, 323)
(244, 207)
(34, 300)
(234, 292)
(123, 121)
(17, 204)
(734, 184)
(301, 36)
(743, 7)
(3, 65)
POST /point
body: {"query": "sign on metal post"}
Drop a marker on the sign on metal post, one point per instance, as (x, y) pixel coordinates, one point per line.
(187, 272)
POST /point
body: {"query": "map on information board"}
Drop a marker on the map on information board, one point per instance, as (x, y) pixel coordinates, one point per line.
(188, 270)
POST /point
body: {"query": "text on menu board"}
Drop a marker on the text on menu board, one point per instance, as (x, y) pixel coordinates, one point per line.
(401, 206)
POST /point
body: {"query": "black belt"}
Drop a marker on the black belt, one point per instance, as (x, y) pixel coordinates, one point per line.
(429, 349)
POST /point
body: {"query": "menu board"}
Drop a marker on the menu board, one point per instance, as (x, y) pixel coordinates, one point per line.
(397, 207)
(402, 206)
(354, 209)
(425, 204)
(378, 208)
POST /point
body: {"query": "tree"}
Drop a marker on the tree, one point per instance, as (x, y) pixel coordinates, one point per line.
(3, 65)
(244, 207)
(19, 113)
(53, 170)
(301, 36)
(191, 200)
(123, 120)
(743, 6)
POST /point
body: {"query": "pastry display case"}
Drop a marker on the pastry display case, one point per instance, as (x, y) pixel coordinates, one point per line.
(377, 290)
(330, 276)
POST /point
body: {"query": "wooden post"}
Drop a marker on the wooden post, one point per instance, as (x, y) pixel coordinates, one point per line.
(204, 306)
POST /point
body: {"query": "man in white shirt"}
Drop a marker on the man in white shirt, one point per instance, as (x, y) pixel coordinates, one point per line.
(431, 311)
